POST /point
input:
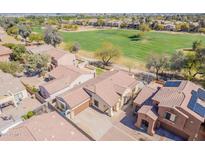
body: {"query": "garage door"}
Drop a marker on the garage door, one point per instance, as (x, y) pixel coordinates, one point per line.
(81, 107)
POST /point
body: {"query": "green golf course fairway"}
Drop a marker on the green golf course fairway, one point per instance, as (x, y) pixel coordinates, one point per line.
(132, 47)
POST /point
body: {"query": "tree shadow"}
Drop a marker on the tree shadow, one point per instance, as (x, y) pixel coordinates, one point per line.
(135, 38)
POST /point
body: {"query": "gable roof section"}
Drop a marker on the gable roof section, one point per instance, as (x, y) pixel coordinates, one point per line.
(144, 96)
(49, 50)
(49, 126)
(105, 86)
(168, 97)
(58, 53)
(40, 49)
(105, 91)
(5, 50)
(186, 95)
(64, 71)
(148, 111)
(9, 84)
(64, 76)
(74, 97)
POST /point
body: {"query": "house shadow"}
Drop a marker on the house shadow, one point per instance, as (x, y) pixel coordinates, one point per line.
(162, 132)
(129, 119)
(135, 38)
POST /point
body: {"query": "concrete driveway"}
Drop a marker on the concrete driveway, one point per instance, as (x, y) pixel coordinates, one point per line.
(93, 122)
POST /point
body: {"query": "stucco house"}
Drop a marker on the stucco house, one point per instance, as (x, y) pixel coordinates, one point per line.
(12, 91)
(45, 127)
(61, 79)
(5, 53)
(58, 56)
(178, 106)
(107, 93)
(170, 27)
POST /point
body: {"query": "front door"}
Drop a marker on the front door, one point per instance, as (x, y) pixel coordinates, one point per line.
(144, 125)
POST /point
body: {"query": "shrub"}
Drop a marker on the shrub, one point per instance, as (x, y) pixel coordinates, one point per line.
(24, 117)
(30, 114)
(202, 30)
(9, 45)
(11, 67)
(75, 47)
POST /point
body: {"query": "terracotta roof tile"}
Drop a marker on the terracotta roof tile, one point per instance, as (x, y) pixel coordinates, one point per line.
(49, 126)
(5, 50)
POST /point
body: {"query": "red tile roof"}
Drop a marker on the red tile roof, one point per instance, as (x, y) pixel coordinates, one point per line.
(147, 110)
(49, 126)
(5, 51)
(107, 86)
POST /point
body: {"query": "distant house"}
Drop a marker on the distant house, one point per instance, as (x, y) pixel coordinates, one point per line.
(5, 53)
(12, 91)
(134, 25)
(63, 78)
(178, 106)
(107, 93)
(45, 127)
(170, 27)
(58, 56)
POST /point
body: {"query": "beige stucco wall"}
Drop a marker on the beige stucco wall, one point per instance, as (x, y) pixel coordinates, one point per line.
(102, 105)
(185, 125)
(151, 122)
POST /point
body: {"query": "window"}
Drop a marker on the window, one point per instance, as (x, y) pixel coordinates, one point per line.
(170, 116)
(96, 103)
(18, 97)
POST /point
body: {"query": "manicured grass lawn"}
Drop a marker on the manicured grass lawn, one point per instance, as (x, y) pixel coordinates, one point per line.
(139, 49)
(37, 29)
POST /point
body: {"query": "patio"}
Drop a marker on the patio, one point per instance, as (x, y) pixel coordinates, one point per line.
(11, 115)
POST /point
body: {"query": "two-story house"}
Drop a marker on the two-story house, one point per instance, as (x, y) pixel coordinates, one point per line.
(178, 106)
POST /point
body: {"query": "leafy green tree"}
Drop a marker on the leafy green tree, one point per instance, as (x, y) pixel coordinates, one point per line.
(196, 45)
(202, 30)
(100, 22)
(124, 24)
(36, 37)
(24, 32)
(9, 45)
(11, 67)
(178, 27)
(14, 30)
(52, 37)
(36, 63)
(160, 27)
(185, 27)
(195, 64)
(75, 47)
(177, 61)
(107, 53)
(18, 52)
(8, 22)
(157, 64)
(52, 22)
(144, 28)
